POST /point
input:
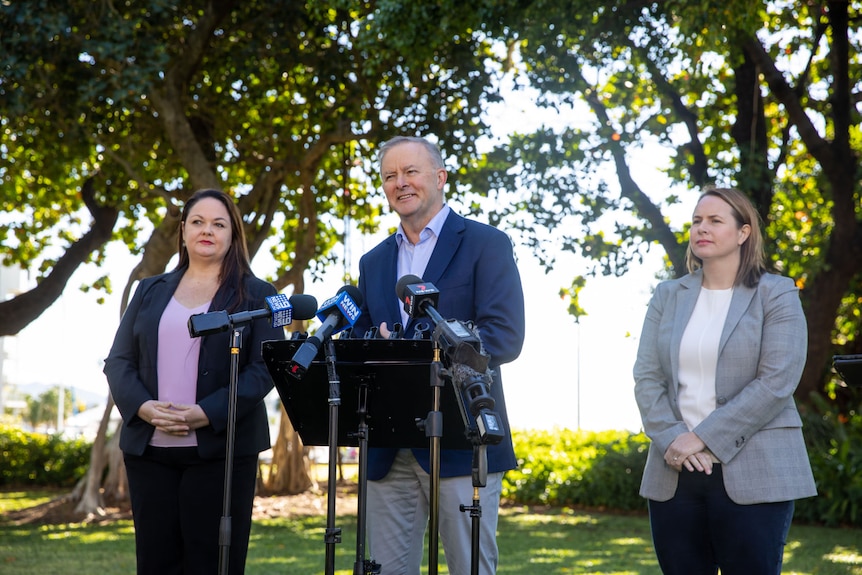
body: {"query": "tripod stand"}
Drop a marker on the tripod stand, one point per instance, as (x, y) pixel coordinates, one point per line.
(378, 405)
(479, 440)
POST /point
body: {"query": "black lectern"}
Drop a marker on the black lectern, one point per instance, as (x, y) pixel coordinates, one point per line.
(396, 373)
(849, 367)
(370, 392)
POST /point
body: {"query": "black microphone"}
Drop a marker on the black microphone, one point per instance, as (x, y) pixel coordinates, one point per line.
(337, 313)
(468, 361)
(457, 340)
(397, 331)
(281, 309)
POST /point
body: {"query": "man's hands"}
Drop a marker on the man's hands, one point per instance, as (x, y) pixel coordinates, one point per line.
(383, 330)
(690, 451)
(171, 418)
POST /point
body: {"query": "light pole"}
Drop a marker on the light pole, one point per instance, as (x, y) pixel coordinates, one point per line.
(578, 373)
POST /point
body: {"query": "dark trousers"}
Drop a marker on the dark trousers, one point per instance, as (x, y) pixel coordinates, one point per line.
(177, 505)
(701, 530)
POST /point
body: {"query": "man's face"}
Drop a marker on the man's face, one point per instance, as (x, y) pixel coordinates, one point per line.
(412, 184)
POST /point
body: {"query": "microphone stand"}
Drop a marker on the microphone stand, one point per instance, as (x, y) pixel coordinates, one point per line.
(333, 534)
(361, 566)
(433, 427)
(225, 523)
(480, 477)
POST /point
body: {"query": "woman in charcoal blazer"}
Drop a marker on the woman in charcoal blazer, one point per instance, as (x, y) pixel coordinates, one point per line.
(172, 393)
(721, 353)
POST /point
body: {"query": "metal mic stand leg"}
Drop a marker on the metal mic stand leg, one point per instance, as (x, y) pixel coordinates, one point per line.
(361, 566)
(480, 479)
(333, 534)
(433, 426)
(225, 523)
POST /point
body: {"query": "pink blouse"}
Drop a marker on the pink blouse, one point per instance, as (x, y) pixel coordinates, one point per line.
(177, 366)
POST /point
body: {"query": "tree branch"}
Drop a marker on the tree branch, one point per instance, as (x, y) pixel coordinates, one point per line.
(18, 312)
(785, 93)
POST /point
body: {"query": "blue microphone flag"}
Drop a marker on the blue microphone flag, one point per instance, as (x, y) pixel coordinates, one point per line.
(281, 308)
(347, 309)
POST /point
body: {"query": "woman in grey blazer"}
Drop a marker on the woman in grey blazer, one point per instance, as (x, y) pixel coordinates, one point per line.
(720, 355)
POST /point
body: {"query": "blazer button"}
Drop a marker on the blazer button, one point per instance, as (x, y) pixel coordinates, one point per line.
(205, 372)
(721, 400)
(740, 441)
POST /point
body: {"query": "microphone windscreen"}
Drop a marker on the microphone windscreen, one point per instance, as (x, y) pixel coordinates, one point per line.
(304, 306)
(405, 281)
(354, 294)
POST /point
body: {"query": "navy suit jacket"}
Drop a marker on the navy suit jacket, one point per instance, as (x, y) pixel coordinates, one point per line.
(132, 375)
(474, 268)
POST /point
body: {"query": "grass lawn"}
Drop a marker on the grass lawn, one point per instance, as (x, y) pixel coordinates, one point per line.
(532, 542)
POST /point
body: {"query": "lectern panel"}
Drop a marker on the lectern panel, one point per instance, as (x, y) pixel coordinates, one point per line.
(395, 375)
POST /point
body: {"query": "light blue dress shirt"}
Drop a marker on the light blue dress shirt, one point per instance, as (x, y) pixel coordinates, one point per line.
(413, 258)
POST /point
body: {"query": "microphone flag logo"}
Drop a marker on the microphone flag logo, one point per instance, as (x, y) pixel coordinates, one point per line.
(282, 310)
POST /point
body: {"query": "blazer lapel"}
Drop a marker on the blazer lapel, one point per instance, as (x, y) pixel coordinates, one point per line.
(155, 303)
(739, 302)
(686, 299)
(447, 244)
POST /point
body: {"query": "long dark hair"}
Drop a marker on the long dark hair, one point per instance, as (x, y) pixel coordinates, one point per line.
(235, 266)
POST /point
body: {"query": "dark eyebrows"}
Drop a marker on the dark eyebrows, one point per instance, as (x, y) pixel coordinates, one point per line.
(215, 219)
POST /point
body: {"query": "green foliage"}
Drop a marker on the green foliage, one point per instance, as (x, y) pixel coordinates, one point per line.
(757, 95)
(603, 469)
(35, 459)
(833, 441)
(42, 410)
(583, 468)
(281, 102)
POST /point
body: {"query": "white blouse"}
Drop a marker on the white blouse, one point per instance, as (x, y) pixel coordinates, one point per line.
(698, 355)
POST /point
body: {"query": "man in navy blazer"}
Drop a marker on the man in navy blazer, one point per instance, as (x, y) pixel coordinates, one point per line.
(473, 267)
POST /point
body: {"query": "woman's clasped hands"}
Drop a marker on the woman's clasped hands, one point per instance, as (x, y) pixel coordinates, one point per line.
(689, 451)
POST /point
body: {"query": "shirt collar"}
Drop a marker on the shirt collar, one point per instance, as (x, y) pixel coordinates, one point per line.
(434, 227)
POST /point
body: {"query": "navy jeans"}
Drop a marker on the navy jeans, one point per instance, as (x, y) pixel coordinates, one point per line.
(700, 530)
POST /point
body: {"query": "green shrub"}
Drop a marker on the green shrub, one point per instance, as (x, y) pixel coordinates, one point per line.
(585, 468)
(35, 459)
(833, 441)
(604, 469)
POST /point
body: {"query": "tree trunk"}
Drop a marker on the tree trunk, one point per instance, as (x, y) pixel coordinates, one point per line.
(291, 469)
(116, 485)
(90, 502)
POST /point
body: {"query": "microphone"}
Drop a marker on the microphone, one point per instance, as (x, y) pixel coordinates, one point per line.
(281, 309)
(337, 314)
(397, 331)
(419, 297)
(457, 340)
(468, 360)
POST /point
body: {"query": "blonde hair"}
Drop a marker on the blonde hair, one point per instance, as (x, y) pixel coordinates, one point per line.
(751, 255)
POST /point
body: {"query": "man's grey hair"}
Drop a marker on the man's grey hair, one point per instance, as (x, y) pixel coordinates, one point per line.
(433, 150)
